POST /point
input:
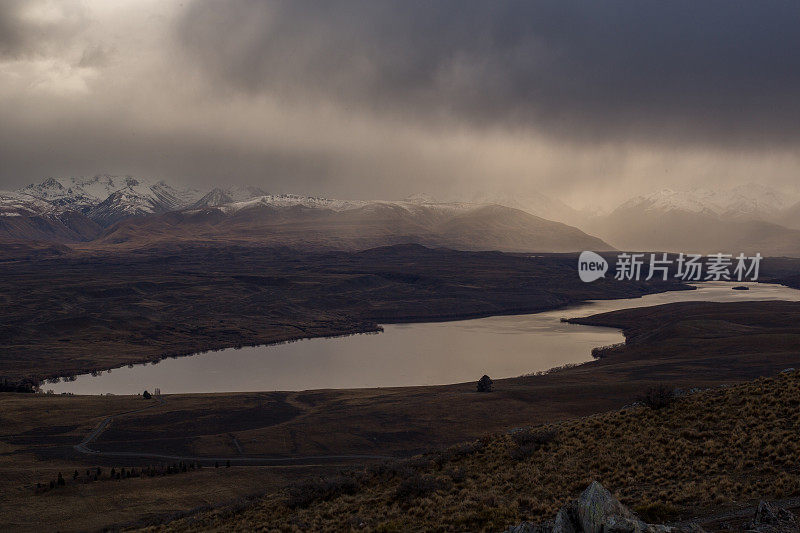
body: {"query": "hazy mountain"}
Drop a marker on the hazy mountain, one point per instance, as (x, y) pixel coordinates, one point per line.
(309, 222)
(752, 200)
(534, 203)
(790, 217)
(730, 221)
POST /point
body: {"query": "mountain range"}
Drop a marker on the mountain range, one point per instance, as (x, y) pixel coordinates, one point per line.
(750, 218)
(131, 212)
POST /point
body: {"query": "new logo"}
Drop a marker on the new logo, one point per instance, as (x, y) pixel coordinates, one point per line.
(591, 266)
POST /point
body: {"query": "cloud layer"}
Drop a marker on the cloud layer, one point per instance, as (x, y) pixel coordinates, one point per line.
(716, 71)
(375, 98)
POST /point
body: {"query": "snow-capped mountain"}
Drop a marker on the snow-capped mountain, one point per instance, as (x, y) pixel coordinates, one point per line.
(24, 217)
(742, 219)
(15, 204)
(289, 200)
(752, 200)
(108, 199)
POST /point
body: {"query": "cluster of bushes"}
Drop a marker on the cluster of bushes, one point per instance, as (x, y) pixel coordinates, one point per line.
(25, 385)
(603, 351)
(97, 474)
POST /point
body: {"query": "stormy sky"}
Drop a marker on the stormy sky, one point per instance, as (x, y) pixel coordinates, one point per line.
(587, 101)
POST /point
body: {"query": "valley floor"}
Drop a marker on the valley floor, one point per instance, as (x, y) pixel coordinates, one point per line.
(686, 345)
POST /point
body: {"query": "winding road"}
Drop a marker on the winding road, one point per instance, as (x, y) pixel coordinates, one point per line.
(83, 447)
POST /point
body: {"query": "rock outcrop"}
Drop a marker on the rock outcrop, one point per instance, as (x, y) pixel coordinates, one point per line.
(597, 511)
(771, 518)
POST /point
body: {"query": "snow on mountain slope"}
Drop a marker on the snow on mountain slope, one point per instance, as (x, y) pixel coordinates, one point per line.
(666, 200)
(108, 199)
(752, 200)
(26, 218)
(219, 196)
(289, 200)
(741, 219)
(418, 205)
(14, 204)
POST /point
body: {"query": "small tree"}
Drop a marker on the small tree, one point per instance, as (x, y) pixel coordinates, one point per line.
(485, 384)
(146, 395)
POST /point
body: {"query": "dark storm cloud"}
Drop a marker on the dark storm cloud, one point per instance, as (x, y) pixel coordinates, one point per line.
(712, 71)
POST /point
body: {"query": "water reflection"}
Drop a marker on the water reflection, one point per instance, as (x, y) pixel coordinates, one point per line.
(404, 354)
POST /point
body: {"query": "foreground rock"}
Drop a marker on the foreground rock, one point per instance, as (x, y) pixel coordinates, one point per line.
(597, 511)
(771, 518)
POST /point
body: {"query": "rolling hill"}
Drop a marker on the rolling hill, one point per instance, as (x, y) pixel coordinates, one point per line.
(312, 223)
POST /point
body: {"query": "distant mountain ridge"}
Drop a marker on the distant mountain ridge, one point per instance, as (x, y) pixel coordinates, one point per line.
(108, 199)
(132, 212)
(749, 218)
(314, 223)
(745, 201)
(125, 210)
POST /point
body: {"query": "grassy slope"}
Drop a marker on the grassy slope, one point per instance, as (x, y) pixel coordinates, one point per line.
(709, 450)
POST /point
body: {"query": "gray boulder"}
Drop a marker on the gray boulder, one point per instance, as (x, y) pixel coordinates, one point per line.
(597, 511)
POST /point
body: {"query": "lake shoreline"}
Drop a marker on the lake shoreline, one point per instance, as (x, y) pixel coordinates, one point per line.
(368, 329)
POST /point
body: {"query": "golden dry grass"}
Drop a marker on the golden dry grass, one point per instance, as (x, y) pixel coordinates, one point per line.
(707, 451)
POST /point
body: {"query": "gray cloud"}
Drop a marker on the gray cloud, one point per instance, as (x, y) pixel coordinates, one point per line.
(724, 72)
(34, 27)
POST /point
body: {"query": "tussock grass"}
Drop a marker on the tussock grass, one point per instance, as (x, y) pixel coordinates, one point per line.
(700, 452)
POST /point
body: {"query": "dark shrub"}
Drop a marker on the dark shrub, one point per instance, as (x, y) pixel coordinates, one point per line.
(485, 384)
(146, 395)
(458, 475)
(305, 493)
(418, 486)
(658, 397)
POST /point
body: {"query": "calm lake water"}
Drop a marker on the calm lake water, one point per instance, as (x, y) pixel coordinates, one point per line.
(403, 354)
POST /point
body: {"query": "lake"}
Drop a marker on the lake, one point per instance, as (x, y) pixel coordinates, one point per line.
(403, 354)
